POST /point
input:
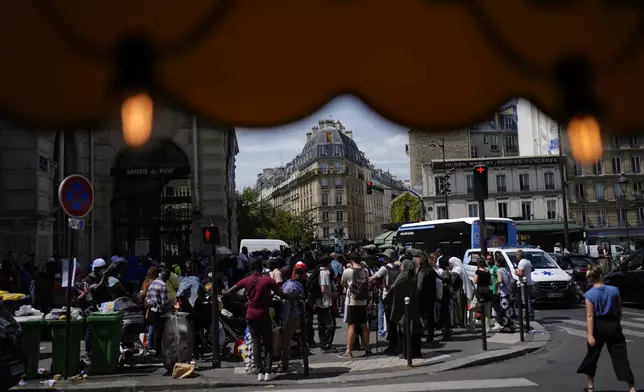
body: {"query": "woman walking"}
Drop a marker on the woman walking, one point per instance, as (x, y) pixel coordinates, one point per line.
(603, 314)
(504, 302)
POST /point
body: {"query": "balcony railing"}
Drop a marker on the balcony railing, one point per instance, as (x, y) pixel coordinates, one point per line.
(524, 188)
(501, 189)
(550, 187)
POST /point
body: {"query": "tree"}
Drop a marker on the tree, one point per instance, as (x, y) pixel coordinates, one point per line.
(296, 229)
(252, 213)
(405, 208)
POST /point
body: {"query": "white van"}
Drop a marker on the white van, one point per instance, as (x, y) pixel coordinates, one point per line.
(550, 282)
(261, 244)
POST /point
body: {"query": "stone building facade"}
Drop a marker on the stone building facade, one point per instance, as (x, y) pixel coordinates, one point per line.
(153, 200)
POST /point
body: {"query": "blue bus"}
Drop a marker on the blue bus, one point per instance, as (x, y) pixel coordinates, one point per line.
(455, 236)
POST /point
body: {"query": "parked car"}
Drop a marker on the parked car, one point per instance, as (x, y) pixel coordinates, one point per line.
(11, 365)
(628, 277)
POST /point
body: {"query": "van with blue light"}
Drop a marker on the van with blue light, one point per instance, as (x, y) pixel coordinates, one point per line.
(456, 236)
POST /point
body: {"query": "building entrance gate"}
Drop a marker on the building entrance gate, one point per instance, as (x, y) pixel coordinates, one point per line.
(152, 203)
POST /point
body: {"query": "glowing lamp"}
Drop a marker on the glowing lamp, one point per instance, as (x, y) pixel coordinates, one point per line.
(136, 118)
(585, 139)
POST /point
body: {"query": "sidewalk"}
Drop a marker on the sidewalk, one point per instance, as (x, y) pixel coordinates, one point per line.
(464, 350)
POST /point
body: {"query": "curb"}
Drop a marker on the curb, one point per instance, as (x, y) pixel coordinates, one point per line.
(539, 339)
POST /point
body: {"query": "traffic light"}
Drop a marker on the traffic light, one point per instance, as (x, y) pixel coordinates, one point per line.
(480, 182)
(210, 235)
(445, 186)
(369, 187)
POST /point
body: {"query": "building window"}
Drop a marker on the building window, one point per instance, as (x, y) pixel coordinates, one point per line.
(638, 190)
(600, 191)
(473, 210)
(580, 192)
(621, 216)
(338, 182)
(577, 169)
(640, 216)
(549, 180)
(511, 143)
(598, 168)
(339, 216)
(503, 210)
(323, 151)
(338, 199)
(325, 216)
(494, 143)
(524, 182)
(437, 184)
(637, 164)
(617, 165)
(584, 218)
(475, 152)
(616, 141)
(337, 151)
(469, 179)
(441, 212)
(619, 195)
(485, 140)
(526, 210)
(551, 209)
(635, 141)
(324, 183)
(501, 184)
(601, 218)
(325, 232)
(324, 167)
(329, 137)
(325, 199)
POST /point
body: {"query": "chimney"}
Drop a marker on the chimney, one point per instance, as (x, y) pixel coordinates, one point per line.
(349, 134)
(308, 136)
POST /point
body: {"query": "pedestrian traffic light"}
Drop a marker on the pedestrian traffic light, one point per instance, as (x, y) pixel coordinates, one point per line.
(369, 187)
(480, 182)
(210, 235)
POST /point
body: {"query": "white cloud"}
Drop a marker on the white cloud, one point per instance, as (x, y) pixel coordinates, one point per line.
(382, 141)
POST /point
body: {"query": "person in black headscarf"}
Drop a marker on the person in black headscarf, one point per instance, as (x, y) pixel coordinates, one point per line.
(446, 301)
(427, 291)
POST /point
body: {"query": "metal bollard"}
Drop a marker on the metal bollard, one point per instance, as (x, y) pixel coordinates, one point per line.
(408, 331)
(484, 325)
(527, 308)
(519, 302)
(303, 341)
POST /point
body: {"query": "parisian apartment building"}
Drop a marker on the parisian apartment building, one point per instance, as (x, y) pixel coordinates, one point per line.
(328, 181)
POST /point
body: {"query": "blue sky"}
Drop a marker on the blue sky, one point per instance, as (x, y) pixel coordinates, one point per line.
(382, 141)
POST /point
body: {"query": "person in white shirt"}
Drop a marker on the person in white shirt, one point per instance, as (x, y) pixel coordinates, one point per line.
(323, 308)
(524, 270)
(384, 276)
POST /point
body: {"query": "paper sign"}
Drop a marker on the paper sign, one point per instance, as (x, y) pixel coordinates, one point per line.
(65, 272)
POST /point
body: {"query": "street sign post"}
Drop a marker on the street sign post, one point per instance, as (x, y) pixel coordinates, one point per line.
(76, 196)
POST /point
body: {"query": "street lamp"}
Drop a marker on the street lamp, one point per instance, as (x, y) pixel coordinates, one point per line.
(623, 186)
(441, 145)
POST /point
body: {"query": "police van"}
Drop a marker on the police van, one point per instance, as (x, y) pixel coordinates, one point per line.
(550, 283)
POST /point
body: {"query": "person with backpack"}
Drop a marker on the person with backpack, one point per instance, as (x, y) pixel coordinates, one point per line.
(384, 277)
(506, 316)
(319, 289)
(356, 281)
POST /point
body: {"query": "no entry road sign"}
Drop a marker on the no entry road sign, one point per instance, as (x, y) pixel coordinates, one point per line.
(76, 196)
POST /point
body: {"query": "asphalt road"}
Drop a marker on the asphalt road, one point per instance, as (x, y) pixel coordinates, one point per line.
(551, 369)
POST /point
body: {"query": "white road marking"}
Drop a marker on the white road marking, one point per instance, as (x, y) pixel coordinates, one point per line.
(625, 331)
(580, 333)
(632, 313)
(431, 386)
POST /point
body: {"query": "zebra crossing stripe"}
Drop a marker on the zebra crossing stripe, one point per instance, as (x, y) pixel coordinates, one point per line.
(624, 331)
(580, 333)
(632, 313)
(632, 324)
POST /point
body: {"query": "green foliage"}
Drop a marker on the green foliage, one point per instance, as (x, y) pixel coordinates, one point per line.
(257, 219)
(398, 207)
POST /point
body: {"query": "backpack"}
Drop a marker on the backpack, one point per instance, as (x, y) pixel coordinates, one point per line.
(508, 280)
(313, 287)
(360, 284)
(393, 273)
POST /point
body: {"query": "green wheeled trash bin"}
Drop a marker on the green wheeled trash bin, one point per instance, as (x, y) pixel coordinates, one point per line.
(106, 341)
(58, 346)
(32, 327)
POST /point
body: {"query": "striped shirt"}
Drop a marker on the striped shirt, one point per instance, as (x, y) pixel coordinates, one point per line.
(157, 299)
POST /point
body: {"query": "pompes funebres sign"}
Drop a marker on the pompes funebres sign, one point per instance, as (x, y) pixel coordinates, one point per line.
(524, 161)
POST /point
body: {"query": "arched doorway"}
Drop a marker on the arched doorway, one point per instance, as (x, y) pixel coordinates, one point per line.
(152, 202)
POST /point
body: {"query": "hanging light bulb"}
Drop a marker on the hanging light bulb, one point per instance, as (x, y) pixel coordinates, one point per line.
(585, 139)
(136, 118)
